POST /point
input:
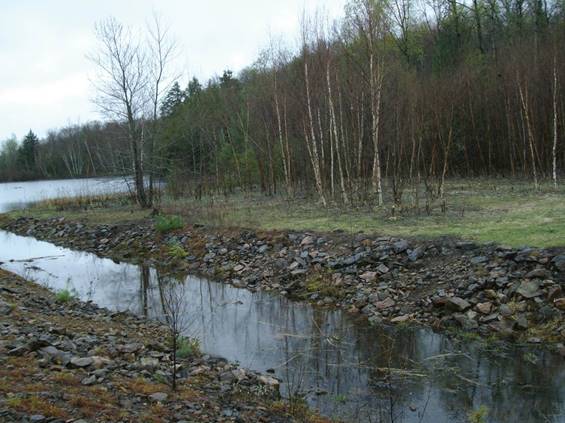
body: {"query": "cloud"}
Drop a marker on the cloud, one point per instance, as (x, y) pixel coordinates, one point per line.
(44, 71)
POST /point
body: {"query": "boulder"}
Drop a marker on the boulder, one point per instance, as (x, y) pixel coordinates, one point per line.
(385, 304)
(457, 304)
(158, 397)
(559, 262)
(484, 308)
(369, 276)
(400, 246)
(529, 289)
(82, 361)
(306, 241)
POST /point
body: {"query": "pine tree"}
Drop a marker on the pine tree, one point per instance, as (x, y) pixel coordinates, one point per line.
(26, 153)
(172, 100)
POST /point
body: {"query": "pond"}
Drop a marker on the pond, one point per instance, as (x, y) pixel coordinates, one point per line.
(17, 195)
(345, 367)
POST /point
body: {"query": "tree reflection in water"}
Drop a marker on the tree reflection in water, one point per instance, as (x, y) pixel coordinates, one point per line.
(346, 368)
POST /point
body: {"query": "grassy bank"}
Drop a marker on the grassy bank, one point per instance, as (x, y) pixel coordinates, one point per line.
(504, 211)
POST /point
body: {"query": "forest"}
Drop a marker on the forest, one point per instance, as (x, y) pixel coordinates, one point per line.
(396, 95)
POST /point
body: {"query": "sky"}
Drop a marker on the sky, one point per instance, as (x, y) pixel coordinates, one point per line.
(44, 71)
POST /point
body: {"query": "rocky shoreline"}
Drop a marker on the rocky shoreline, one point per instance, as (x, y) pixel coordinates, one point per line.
(489, 290)
(70, 361)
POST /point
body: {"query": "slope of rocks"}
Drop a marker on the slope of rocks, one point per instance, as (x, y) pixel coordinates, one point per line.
(516, 293)
(74, 362)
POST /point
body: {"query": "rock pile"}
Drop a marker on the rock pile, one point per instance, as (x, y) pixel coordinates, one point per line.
(72, 361)
(511, 292)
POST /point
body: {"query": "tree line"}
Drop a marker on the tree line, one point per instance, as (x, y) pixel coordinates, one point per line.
(75, 151)
(396, 96)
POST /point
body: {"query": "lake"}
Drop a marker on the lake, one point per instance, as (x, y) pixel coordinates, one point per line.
(17, 195)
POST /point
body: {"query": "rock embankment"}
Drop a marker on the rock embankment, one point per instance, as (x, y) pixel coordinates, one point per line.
(517, 293)
(74, 362)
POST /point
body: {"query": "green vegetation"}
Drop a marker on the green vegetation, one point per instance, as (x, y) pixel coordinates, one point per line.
(177, 251)
(479, 415)
(508, 212)
(321, 283)
(64, 296)
(187, 347)
(504, 211)
(166, 224)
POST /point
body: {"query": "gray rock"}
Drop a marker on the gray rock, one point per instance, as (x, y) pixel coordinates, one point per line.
(559, 262)
(158, 397)
(82, 362)
(369, 276)
(539, 274)
(263, 249)
(522, 323)
(505, 310)
(87, 381)
(36, 418)
(479, 259)
(269, 381)
(457, 304)
(415, 254)
(400, 246)
(529, 289)
(382, 269)
(465, 321)
(307, 240)
(5, 308)
(385, 304)
(130, 348)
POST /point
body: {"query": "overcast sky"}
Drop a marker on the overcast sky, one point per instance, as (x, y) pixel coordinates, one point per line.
(44, 72)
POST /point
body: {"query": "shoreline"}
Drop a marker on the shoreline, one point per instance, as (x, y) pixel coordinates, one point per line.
(71, 359)
(446, 284)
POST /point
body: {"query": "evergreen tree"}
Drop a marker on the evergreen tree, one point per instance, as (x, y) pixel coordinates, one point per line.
(172, 100)
(194, 88)
(26, 152)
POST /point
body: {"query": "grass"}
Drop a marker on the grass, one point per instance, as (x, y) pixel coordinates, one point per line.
(504, 211)
(36, 405)
(64, 296)
(321, 283)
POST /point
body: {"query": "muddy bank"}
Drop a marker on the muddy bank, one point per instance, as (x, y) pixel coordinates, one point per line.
(489, 290)
(65, 360)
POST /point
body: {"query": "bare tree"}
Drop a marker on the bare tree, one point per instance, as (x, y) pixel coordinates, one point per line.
(175, 310)
(162, 51)
(555, 123)
(370, 23)
(130, 80)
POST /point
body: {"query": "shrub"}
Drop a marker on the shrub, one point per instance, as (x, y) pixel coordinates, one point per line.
(168, 223)
(187, 347)
(479, 415)
(177, 251)
(64, 296)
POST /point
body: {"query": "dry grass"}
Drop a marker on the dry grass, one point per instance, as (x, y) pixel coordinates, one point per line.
(36, 405)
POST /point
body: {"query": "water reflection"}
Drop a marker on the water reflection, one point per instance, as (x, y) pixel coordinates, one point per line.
(345, 367)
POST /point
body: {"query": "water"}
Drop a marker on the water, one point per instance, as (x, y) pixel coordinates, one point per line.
(17, 195)
(342, 364)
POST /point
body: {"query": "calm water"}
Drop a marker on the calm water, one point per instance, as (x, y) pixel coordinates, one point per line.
(339, 362)
(15, 195)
